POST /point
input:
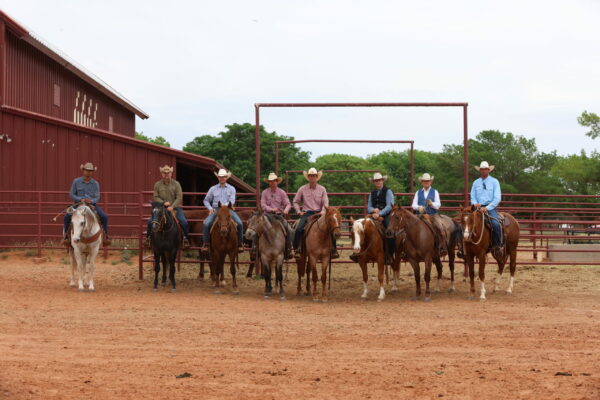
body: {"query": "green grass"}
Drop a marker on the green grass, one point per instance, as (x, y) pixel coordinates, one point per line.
(4, 256)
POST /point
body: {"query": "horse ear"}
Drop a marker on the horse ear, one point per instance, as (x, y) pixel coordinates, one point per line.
(473, 207)
(219, 203)
(326, 208)
(351, 220)
(229, 205)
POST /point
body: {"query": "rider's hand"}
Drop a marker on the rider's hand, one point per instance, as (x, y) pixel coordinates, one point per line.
(421, 210)
(476, 205)
(301, 213)
(166, 204)
(170, 208)
(375, 215)
(212, 210)
(375, 211)
(86, 201)
(483, 209)
(430, 203)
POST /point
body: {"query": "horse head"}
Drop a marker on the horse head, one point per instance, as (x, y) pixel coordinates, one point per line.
(471, 219)
(158, 216)
(255, 225)
(81, 221)
(223, 219)
(334, 221)
(357, 233)
(397, 222)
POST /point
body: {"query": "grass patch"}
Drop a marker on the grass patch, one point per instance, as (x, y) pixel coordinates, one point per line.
(126, 256)
(64, 261)
(4, 256)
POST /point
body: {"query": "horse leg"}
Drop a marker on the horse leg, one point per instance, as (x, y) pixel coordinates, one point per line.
(482, 276)
(324, 266)
(251, 268)
(470, 264)
(312, 269)
(172, 258)
(73, 266)
(201, 271)
(233, 258)
(266, 265)
(501, 264)
(451, 257)
(513, 267)
(279, 277)
(396, 269)
(427, 279)
(417, 274)
(438, 267)
(156, 269)
(308, 273)
(380, 271)
(80, 269)
(300, 267)
(365, 274)
(91, 259)
(165, 263)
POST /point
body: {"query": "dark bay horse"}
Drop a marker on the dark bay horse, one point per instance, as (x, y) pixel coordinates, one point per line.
(367, 244)
(166, 237)
(223, 242)
(270, 235)
(477, 236)
(418, 243)
(196, 221)
(317, 247)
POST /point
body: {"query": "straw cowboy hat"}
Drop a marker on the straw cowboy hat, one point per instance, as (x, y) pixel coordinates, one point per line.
(312, 171)
(223, 172)
(273, 177)
(88, 166)
(426, 177)
(377, 176)
(166, 169)
(484, 165)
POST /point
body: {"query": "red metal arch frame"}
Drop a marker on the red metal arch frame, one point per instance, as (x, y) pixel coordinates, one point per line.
(257, 107)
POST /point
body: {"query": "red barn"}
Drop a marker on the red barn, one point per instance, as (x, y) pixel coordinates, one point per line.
(54, 116)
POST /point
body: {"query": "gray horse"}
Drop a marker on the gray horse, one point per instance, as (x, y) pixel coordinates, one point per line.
(268, 233)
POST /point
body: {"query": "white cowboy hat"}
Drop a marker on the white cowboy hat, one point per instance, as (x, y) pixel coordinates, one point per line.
(426, 177)
(273, 177)
(312, 171)
(484, 165)
(223, 172)
(166, 168)
(377, 176)
(88, 166)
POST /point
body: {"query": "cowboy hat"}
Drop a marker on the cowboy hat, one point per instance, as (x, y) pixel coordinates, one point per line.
(273, 177)
(312, 171)
(426, 177)
(484, 165)
(223, 173)
(88, 166)
(166, 169)
(377, 176)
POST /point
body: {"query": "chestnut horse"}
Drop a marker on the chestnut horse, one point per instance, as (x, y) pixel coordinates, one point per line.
(418, 243)
(477, 237)
(367, 244)
(223, 242)
(317, 247)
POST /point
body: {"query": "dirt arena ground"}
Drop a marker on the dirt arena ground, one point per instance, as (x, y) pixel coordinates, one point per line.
(126, 342)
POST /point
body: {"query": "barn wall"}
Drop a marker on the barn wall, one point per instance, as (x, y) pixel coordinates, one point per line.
(31, 79)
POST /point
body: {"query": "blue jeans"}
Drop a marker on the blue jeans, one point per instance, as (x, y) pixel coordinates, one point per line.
(208, 222)
(300, 228)
(101, 214)
(182, 221)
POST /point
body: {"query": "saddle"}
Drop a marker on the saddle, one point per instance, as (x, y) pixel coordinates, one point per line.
(438, 240)
(378, 224)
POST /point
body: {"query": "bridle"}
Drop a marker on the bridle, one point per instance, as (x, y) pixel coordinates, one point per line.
(86, 212)
(473, 230)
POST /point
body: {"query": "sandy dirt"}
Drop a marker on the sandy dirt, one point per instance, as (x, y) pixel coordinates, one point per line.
(124, 341)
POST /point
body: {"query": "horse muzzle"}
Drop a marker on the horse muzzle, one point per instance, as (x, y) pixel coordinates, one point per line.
(250, 234)
(337, 234)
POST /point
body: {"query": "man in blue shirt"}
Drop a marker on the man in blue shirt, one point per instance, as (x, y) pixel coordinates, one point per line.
(379, 205)
(486, 196)
(86, 190)
(224, 193)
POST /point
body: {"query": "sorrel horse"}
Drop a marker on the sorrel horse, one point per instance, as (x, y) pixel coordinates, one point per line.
(270, 236)
(367, 244)
(317, 247)
(477, 237)
(166, 237)
(86, 236)
(418, 243)
(196, 221)
(223, 242)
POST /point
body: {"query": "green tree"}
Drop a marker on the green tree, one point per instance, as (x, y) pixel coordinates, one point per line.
(158, 140)
(579, 173)
(235, 149)
(591, 121)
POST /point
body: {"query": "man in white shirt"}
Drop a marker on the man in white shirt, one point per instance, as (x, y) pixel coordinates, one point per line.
(427, 202)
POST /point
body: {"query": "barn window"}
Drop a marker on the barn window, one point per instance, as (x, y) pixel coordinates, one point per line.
(56, 95)
(110, 123)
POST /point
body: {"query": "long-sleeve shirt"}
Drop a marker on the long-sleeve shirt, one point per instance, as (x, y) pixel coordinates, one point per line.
(170, 192)
(80, 189)
(275, 201)
(486, 192)
(389, 202)
(437, 203)
(224, 194)
(312, 199)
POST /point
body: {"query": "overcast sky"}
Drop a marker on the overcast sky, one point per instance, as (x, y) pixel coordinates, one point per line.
(526, 67)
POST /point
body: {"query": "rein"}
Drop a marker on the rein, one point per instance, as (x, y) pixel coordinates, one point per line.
(482, 229)
(95, 236)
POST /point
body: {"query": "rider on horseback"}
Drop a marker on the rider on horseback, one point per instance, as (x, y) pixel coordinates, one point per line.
(168, 191)
(486, 196)
(86, 190)
(275, 201)
(381, 201)
(224, 193)
(427, 203)
(314, 200)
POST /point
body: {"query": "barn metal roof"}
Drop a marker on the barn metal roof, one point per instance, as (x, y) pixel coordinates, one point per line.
(46, 48)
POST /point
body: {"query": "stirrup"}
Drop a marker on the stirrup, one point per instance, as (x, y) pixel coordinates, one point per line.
(186, 244)
(106, 242)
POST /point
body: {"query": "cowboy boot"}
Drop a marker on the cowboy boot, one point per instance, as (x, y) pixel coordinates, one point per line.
(186, 243)
(353, 257)
(460, 253)
(288, 254)
(66, 241)
(106, 241)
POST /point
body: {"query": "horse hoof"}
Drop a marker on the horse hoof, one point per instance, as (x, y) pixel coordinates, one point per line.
(307, 294)
(282, 298)
(437, 291)
(236, 293)
(91, 290)
(482, 299)
(507, 293)
(451, 290)
(164, 284)
(155, 290)
(72, 284)
(80, 289)
(315, 300)
(415, 298)
(469, 297)
(217, 292)
(173, 290)
(379, 300)
(324, 300)
(427, 299)
(266, 297)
